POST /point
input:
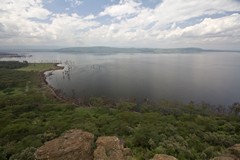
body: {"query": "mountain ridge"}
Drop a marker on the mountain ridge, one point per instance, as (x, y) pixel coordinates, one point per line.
(111, 50)
(104, 49)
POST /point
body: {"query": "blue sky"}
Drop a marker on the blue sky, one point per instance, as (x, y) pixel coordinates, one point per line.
(121, 23)
(87, 7)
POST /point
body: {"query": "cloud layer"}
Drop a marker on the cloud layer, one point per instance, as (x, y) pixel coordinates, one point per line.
(171, 23)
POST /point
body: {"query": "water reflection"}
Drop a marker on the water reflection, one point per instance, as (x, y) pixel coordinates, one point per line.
(209, 77)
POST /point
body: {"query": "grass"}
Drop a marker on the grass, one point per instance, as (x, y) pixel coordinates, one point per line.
(38, 67)
(25, 80)
(13, 91)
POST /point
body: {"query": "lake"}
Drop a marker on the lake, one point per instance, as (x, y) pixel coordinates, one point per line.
(211, 77)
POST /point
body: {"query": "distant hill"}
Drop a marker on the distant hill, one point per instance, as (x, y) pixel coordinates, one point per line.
(127, 50)
(113, 50)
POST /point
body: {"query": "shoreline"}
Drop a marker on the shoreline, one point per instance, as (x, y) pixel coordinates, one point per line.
(45, 83)
(54, 91)
(10, 55)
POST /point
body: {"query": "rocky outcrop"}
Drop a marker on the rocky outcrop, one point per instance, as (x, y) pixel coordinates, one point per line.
(73, 145)
(109, 148)
(224, 158)
(78, 145)
(163, 157)
(235, 150)
(234, 154)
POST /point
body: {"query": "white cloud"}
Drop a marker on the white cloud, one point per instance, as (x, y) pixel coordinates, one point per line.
(220, 27)
(16, 21)
(50, 1)
(24, 9)
(68, 28)
(89, 17)
(150, 26)
(74, 3)
(173, 11)
(130, 24)
(20, 25)
(224, 31)
(180, 10)
(123, 9)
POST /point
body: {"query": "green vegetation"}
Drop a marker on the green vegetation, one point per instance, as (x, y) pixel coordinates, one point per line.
(12, 64)
(39, 67)
(30, 117)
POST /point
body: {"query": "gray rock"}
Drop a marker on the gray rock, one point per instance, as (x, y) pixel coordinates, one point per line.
(235, 150)
(224, 158)
(111, 148)
(73, 145)
(163, 157)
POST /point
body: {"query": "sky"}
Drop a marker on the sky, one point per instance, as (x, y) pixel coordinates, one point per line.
(210, 24)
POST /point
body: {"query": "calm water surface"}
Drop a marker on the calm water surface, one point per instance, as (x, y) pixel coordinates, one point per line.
(210, 77)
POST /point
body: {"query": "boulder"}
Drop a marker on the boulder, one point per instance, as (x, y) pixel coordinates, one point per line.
(163, 157)
(234, 154)
(73, 145)
(223, 158)
(109, 148)
(235, 150)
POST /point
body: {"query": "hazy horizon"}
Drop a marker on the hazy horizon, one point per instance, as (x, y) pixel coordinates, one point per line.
(52, 48)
